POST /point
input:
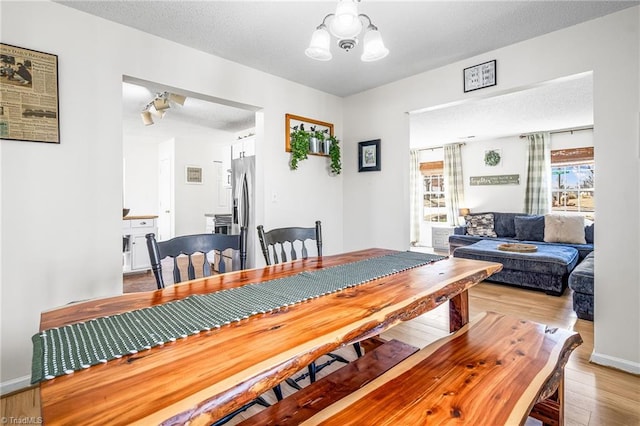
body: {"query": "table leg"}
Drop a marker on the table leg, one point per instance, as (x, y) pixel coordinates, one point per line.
(458, 311)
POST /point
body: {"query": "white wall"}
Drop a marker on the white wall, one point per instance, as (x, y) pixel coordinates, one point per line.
(376, 207)
(141, 175)
(507, 198)
(140, 178)
(61, 203)
(500, 198)
(193, 201)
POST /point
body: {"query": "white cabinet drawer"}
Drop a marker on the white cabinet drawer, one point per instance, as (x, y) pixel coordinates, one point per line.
(143, 223)
(440, 237)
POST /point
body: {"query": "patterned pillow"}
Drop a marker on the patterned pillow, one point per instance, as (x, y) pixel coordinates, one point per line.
(480, 225)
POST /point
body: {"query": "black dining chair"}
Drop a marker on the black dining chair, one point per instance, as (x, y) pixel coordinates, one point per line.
(279, 242)
(190, 245)
(284, 244)
(203, 244)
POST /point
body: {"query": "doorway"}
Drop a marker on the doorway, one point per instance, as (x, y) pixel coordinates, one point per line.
(194, 137)
(493, 123)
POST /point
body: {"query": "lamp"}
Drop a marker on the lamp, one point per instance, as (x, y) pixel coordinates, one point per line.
(346, 24)
(462, 212)
(159, 105)
(146, 118)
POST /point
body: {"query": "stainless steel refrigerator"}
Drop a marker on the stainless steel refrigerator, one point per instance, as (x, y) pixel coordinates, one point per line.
(242, 187)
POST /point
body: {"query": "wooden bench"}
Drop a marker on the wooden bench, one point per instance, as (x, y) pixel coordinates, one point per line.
(496, 370)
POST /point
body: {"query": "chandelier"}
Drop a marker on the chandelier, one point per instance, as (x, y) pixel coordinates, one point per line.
(159, 106)
(346, 24)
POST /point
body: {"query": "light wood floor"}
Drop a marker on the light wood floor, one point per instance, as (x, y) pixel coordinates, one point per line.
(594, 395)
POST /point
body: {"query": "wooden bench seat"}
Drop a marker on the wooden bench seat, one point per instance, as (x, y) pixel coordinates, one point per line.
(493, 371)
(310, 400)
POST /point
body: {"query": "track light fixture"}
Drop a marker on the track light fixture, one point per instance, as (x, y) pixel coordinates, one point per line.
(345, 24)
(159, 106)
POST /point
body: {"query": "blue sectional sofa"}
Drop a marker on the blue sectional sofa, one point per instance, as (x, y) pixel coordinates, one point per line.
(581, 282)
(546, 270)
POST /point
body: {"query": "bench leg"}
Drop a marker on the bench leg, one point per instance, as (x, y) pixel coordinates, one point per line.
(458, 311)
(551, 411)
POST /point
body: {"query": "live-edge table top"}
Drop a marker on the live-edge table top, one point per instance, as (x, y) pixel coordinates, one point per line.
(201, 378)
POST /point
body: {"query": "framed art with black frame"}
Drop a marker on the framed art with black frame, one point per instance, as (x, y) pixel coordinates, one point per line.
(369, 156)
(480, 76)
(29, 94)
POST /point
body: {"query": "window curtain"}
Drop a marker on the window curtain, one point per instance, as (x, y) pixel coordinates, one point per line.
(415, 185)
(538, 191)
(454, 184)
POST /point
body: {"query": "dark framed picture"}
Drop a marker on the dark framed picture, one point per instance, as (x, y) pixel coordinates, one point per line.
(369, 156)
(479, 76)
(29, 87)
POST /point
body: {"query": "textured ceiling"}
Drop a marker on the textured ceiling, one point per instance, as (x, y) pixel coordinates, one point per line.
(271, 36)
(560, 104)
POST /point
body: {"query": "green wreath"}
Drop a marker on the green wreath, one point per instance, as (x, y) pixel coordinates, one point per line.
(491, 158)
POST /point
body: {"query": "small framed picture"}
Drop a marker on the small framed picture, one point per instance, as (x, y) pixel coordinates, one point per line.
(369, 156)
(193, 174)
(479, 76)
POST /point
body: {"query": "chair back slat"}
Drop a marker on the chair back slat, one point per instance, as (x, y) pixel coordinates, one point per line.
(275, 240)
(194, 244)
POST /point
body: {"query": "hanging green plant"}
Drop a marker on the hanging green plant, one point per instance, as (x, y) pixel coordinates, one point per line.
(299, 145)
(491, 158)
(334, 155)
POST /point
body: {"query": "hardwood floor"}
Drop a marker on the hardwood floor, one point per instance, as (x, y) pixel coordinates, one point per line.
(594, 395)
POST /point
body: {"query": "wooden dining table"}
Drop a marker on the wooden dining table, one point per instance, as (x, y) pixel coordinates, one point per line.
(203, 377)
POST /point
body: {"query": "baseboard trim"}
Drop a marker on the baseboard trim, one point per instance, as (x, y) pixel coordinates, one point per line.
(618, 363)
(16, 384)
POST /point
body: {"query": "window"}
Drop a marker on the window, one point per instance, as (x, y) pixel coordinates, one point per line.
(572, 180)
(434, 203)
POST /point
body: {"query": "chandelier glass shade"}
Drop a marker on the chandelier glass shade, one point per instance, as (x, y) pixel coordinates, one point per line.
(345, 22)
(345, 25)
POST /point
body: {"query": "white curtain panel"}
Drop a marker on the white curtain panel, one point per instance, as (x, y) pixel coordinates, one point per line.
(453, 182)
(538, 191)
(415, 196)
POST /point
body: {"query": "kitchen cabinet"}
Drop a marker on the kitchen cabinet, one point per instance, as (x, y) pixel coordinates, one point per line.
(245, 147)
(135, 256)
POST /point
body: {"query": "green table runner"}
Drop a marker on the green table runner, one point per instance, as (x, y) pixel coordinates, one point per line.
(59, 351)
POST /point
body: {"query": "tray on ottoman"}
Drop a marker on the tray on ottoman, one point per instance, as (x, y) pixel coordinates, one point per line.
(546, 269)
(518, 248)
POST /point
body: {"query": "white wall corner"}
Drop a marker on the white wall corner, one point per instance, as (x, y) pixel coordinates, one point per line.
(13, 385)
(617, 363)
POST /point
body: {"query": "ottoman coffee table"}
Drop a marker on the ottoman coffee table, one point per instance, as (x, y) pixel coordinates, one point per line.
(546, 269)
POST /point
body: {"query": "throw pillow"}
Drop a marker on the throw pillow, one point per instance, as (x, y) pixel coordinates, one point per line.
(529, 228)
(480, 225)
(564, 229)
(588, 232)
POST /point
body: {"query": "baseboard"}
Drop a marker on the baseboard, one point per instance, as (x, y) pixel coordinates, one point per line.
(618, 363)
(14, 385)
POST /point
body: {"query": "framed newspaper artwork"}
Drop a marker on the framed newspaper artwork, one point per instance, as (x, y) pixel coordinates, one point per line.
(28, 95)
